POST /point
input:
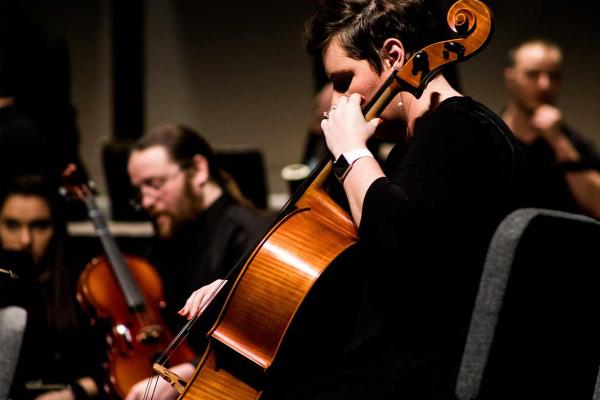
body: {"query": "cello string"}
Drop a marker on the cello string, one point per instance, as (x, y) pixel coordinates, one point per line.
(148, 385)
(179, 338)
(182, 335)
(233, 272)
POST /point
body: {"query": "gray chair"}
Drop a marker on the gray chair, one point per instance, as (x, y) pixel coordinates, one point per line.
(12, 326)
(597, 390)
(533, 331)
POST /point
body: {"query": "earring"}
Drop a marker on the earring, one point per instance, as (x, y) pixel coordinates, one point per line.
(400, 103)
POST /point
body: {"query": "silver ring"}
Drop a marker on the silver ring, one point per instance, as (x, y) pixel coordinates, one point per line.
(326, 115)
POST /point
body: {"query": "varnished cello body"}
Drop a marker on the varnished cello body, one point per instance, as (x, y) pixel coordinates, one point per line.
(125, 292)
(312, 231)
(267, 296)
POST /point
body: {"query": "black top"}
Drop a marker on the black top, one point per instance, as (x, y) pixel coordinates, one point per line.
(23, 149)
(51, 357)
(423, 237)
(204, 251)
(547, 182)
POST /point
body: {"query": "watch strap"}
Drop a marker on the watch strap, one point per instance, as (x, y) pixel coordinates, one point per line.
(344, 162)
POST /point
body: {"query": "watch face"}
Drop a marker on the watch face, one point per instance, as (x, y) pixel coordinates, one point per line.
(340, 166)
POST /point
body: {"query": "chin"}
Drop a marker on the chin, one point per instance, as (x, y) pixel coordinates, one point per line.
(163, 230)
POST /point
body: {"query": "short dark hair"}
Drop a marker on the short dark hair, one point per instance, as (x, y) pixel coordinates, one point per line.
(362, 27)
(182, 143)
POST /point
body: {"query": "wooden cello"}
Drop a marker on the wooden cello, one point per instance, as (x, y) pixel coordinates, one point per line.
(127, 292)
(312, 231)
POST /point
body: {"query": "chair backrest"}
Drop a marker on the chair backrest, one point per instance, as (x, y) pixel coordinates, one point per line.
(12, 326)
(597, 390)
(247, 167)
(533, 331)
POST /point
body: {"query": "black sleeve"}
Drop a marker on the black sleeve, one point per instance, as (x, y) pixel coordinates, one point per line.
(590, 157)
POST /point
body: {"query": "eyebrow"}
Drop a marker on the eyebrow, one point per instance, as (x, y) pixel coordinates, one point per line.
(337, 73)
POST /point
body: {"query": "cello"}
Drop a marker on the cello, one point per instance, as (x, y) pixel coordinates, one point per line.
(269, 291)
(126, 291)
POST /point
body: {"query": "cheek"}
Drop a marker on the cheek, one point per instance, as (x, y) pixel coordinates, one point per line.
(366, 88)
(9, 239)
(41, 240)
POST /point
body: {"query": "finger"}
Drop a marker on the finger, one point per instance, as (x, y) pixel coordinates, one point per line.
(196, 305)
(188, 303)
(355, 98)
(342, 100)
(375, 122)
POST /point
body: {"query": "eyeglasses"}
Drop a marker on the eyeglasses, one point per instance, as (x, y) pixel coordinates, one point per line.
(151, 187)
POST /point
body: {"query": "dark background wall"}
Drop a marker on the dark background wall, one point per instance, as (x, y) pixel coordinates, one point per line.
(237, 72)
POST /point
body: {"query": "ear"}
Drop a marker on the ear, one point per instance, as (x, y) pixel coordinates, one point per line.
(201, 173)
(509, 76)
(392, 53)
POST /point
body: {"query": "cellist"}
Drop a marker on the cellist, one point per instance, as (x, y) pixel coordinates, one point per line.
(425, 216)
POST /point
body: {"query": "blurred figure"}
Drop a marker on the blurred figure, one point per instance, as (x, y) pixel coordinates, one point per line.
(38, 131)
(22, 146)
(60, 357)
(202, 226)
(564, 167)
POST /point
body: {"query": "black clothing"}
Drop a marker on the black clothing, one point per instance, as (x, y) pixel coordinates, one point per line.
(424, 233)
(23, 149)
(36, 72)
(203, 251)
(49, 355)
(548, 188)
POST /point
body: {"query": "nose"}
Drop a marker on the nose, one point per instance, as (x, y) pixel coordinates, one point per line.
(335, 96)
(544, 81)
(148, 201)
(25, 238)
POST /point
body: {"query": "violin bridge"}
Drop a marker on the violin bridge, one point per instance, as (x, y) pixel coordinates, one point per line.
(174, 380)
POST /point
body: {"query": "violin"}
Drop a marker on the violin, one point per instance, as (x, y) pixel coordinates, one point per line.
(126, 291)
(270, 290)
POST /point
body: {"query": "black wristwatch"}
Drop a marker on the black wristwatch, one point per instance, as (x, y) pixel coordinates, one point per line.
(344, 162)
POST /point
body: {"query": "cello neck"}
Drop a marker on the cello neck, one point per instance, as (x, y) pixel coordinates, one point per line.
(374, 108)
(471, 22)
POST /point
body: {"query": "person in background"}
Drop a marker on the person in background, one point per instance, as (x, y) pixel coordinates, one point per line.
(565, 168)
(61, 355)
(39, 133)
(202, 226)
